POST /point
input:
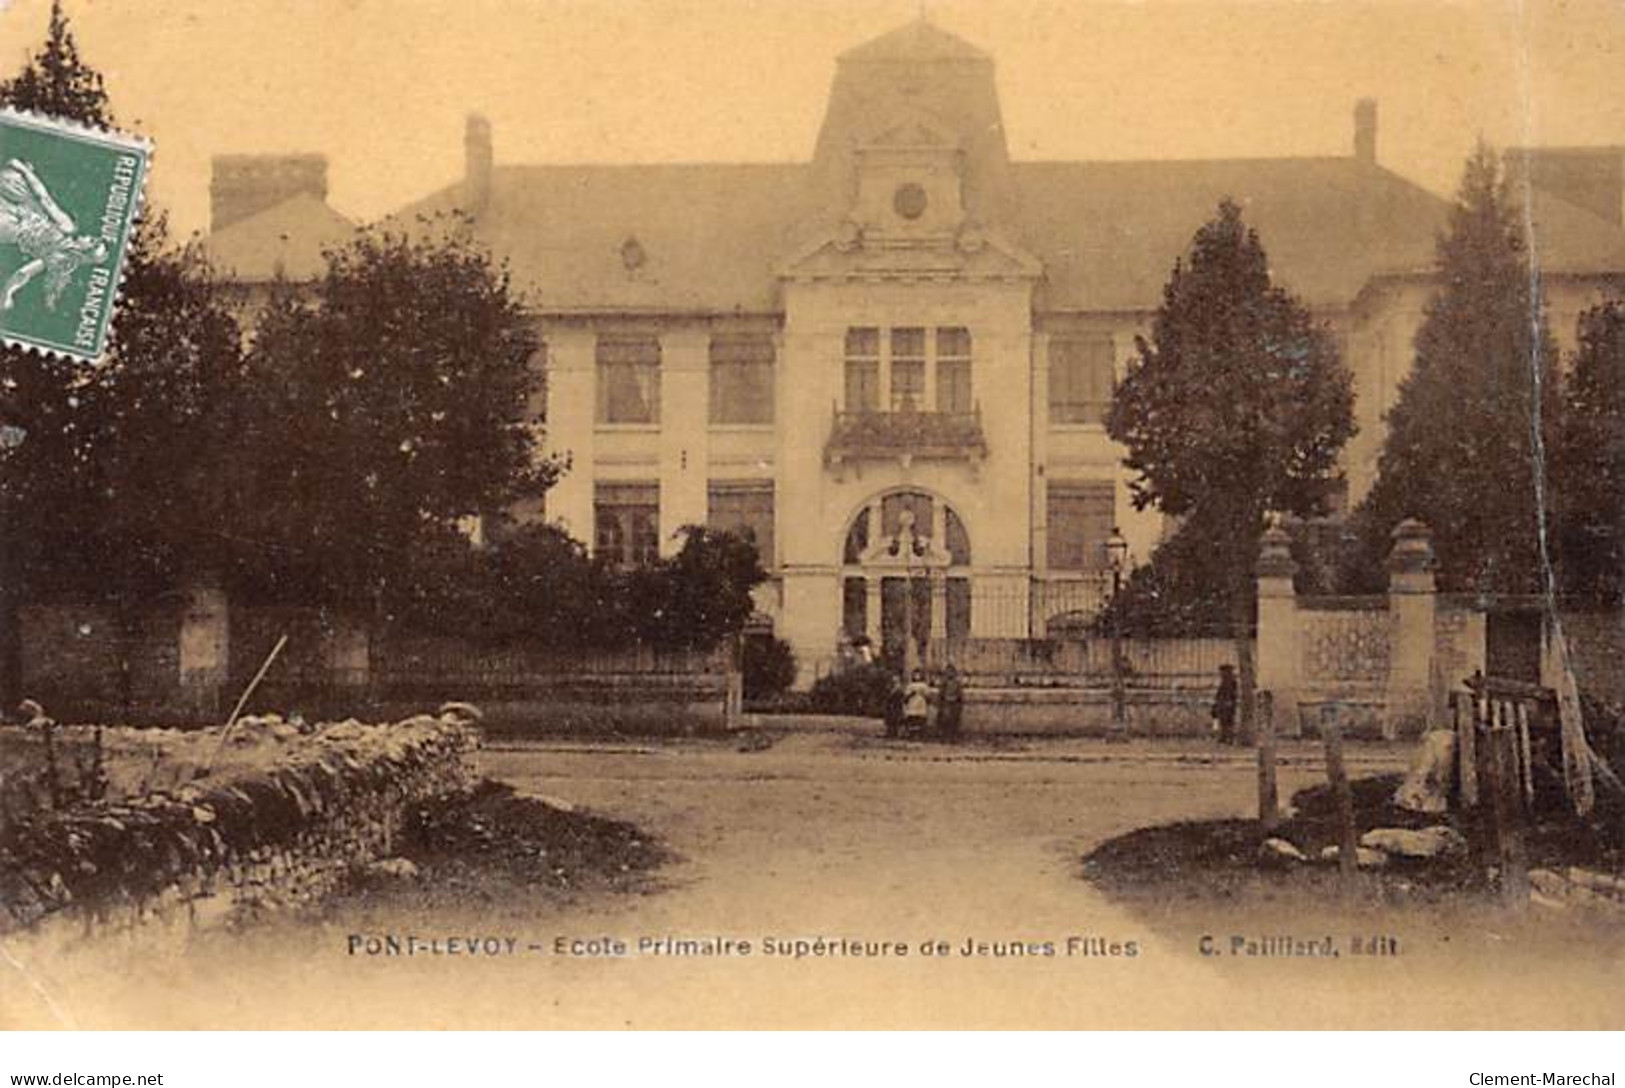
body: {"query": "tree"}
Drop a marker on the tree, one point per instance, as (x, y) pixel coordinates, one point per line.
(1589, 462)
(401, 385)
(700, 596)
(1185, 590)
(106, 481)
(1237, 406)
(1460, 448)
(56, 83)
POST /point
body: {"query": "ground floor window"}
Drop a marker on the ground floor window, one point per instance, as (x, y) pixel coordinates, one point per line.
(626, 523)
(745, 507)
(1081, 516)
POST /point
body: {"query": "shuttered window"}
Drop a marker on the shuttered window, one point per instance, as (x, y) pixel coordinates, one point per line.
(745, 508)
(1080, 378)
(742, 379)
(1081, 516)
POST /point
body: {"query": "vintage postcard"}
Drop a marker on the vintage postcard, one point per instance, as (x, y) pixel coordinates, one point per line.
(812, 514)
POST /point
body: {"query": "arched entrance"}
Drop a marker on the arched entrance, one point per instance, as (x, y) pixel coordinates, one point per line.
(906, 575)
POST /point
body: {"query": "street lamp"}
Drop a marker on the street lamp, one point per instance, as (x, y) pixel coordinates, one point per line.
(1117, 562)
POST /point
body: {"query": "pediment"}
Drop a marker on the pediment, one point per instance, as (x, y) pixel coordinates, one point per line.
(908, 127)
(974, 253)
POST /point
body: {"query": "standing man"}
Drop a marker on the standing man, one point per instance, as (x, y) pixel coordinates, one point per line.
(1224, 705)
(893, 711)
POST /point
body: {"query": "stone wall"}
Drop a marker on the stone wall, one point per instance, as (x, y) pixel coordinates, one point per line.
(291, 817)
(1071, 711)
(1385, 660)
(187, 660)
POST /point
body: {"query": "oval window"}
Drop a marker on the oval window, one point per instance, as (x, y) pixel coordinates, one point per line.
(909, 200)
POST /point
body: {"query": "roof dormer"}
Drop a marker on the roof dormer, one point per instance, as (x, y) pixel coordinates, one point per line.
(910, 174)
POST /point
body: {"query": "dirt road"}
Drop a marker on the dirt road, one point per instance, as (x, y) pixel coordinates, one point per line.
(952, 876)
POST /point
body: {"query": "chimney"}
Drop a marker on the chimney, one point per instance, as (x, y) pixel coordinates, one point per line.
(1365, 131)
(476, 164)
(245, 185)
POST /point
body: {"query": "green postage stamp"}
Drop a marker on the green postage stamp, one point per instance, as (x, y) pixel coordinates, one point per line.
(68, 202)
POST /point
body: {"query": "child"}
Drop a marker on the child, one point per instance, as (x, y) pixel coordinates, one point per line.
(916, 705)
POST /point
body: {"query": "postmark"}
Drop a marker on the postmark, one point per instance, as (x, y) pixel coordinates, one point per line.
(69, 198)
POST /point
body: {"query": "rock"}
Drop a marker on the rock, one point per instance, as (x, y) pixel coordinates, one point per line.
(466, 712)
(1549, 883)
(1585, 897)
(1430, 842)
(1597, 882)
(417, 721)
(1427, 784)
(397, 868)
(1279, 851)
(1364, 857)
(556, 803)
(754, 741)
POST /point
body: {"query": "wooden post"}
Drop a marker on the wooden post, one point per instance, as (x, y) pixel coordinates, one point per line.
(1331, 734)
(733, 695)
(1466, 749)
(1269, 802)
(1506, 804)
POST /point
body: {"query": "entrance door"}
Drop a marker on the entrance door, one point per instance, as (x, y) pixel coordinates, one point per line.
(895, 622)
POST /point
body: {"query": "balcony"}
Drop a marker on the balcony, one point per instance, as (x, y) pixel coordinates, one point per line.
(905, 436)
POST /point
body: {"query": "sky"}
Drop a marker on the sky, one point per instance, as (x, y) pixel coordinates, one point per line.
(382, 87)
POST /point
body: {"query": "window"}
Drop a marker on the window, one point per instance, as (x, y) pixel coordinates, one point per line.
(626, 523)
(900, 360)
(953, 370)
(1081, 516)
(628, 379)
(745, 508)
(907, 370)
(855, 607)
(1080, 379)
(742, 379)
(862, 370)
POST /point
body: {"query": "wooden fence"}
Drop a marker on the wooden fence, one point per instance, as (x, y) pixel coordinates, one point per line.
(1506, 734)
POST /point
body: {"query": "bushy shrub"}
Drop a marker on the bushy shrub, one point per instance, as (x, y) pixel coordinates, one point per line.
(535, 585)
(769, 667)
(861, 691)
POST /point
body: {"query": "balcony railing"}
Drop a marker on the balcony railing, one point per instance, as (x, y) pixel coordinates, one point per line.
(905, 435)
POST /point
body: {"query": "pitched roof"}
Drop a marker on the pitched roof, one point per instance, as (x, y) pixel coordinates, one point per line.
(286, 239)
(1568, 238)
(1107, 233)
(710, 235)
